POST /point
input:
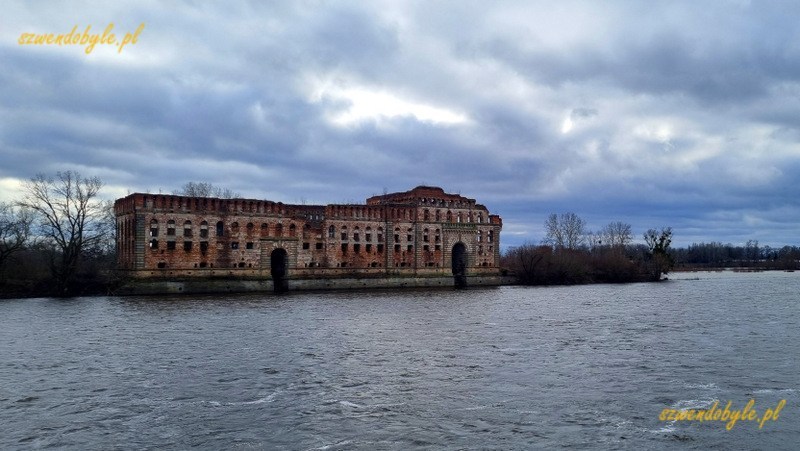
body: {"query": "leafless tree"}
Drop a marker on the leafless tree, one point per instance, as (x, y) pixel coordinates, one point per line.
(658, 243)
(616, 234)
(205, 189)
(15, 228)
(70, 216)
(567, 231)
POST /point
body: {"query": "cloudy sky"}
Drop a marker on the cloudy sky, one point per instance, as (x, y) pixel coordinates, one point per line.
(682, 114)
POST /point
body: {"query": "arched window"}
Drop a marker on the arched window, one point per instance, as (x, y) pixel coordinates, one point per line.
(171, 227)
(491, 236)
(153, 228)
(187, 229)
(344, 233)
(331, 232)
(449, 216)
(235, 227)
(292, 230)
(264, 229)
(279, 229)
(480, 236)
(250, 225)
(220, 229)
(204, 229)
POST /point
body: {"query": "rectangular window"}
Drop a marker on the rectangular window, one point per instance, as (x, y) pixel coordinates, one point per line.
(368, 237)
(306, 245)
(438, 247)
(187, 232)
(170, 245)
(187, 246)
(249, 245)
(369, 248)
(234, 245)
(426, 248)
(344, 248)
(204, 247)
(380, 237)
(356, 248)
(397, 248)
(170, 231)
(410, 248)
(409, 237)
(380, 248)
(319, 246)
(203, 233)
(355, 237)
(397, 238)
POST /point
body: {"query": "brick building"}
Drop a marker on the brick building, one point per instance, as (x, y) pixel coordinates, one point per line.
(421, 232)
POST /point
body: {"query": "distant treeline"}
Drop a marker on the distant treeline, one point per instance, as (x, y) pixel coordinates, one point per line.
(572, 254)
(751, 255)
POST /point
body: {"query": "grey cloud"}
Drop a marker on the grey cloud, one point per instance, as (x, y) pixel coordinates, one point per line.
(218, 93)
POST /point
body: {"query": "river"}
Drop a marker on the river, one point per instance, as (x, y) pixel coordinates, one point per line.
(496, 368)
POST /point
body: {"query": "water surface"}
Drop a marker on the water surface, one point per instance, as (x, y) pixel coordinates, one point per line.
(501, 368)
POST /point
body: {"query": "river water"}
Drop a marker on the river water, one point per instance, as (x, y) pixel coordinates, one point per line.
(501, 368)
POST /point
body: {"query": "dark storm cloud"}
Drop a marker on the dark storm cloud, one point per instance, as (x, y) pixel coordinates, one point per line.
(654, 114)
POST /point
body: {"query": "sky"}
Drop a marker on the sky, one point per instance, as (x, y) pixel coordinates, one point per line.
(678, 113)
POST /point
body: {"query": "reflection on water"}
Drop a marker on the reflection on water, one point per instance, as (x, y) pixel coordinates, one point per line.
(502, 368)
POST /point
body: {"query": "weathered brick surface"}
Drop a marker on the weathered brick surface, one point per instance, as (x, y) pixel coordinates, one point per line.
(408, 233)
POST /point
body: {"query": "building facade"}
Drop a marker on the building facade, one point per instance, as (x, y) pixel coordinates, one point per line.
(424, 231)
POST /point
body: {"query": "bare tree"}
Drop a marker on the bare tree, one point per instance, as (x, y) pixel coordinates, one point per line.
(567, 231)
(205, 189)
(525, 260)
(70, 214)
(658, 243)
(15, 228)
(616, 234)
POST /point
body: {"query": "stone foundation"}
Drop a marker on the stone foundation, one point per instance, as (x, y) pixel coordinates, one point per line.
(210, 285)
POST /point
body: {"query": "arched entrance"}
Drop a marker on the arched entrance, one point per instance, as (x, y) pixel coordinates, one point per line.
(279, 264)
(459, 265)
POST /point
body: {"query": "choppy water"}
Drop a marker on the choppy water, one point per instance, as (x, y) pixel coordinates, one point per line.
(505, 368)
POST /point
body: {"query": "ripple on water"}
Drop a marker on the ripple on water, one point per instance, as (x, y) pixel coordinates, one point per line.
(507, 368)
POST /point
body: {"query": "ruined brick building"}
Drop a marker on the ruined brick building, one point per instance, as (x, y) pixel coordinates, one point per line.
(421, 232)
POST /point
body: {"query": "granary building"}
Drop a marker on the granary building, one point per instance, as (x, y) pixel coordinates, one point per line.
(421, 232)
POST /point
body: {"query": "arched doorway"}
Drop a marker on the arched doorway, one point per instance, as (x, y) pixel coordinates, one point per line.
(279, 264)
(459, 265)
